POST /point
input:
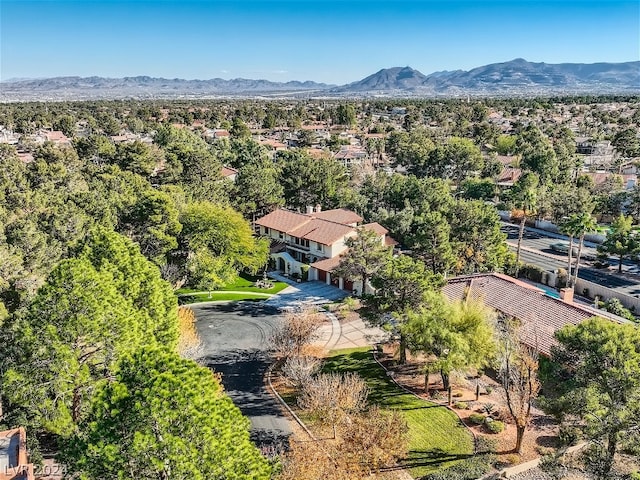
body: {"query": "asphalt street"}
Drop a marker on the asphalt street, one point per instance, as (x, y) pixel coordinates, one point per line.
(235, 337)
(548, 259)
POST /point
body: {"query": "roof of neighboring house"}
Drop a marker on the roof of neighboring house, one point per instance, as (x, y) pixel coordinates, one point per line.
(228, 172)
(316, 152)
(390, 241)
(376, 227)
(540, 314)
(13, 456)
(56, 136)
(509, 175)
(506, 160)
(339, 215)
(600, 178)
(273, 144)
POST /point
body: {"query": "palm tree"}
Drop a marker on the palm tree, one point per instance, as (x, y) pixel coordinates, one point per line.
(525, 198)
(569, 226)
(585, 224)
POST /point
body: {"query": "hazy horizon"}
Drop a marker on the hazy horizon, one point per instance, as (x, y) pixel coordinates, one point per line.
(328, 41)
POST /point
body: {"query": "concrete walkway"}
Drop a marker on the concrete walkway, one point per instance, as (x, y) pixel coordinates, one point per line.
(334, 334)
(337, 335)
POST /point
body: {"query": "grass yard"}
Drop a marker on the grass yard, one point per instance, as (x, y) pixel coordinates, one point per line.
(244, 283)
(217, 296)
(437, 437)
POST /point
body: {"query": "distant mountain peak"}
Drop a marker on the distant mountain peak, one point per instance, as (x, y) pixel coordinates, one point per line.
(515, 77)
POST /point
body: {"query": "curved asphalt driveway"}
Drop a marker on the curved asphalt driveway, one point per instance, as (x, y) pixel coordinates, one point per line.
(235, 337)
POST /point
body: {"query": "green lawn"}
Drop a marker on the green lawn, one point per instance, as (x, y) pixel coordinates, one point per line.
(244, 283)
(437, 438)
(219, 296)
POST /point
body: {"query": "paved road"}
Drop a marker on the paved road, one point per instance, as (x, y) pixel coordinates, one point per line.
(541, 240)
(550, 260)
(235, 337)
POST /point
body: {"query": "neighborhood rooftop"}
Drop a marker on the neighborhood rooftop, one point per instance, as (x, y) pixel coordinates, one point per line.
(540, 314)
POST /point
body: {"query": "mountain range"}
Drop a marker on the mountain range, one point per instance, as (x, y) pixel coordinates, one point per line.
(516, 77)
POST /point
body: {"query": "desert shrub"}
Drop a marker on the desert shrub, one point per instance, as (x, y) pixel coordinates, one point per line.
(532, 272)
(496, 426)
(489, 408)
(614, 305)
(461, 405)
(349, 304)
(544, 451)
(305, 272)
(189, 342)
(477, 418)
(512, 459)
(332, 397)
(561, 281)
(486, 444)
(298, 371)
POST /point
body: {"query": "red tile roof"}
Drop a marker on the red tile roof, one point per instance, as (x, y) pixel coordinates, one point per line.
(540, 314)
(509, 175)
(283, 220)
(322, 231)
(328, 264)
(376, 227)
(339, 215)
(228, 172)
(323, 227)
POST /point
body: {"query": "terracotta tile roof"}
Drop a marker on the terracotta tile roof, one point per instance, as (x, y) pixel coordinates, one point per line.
(322, 231)
(228, 172)
(390, 241)
(283, 220)
(376, 227)
(506, 160)
(316, 152)
(339, 215)
(540, 314)
(328, 264)
(56, 135)
(600, 178)
(509, 175)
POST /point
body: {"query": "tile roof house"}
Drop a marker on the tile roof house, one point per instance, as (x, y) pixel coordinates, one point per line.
(540, 314)
(312, 242)
(13, 456)
(229, 173)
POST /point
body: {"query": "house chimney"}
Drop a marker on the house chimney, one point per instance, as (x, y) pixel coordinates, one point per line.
(318, 208)
(566, 295)
(309, 209)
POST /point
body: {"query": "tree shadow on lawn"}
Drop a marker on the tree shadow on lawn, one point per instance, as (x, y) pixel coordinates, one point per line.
(431, 458)
(251, 308)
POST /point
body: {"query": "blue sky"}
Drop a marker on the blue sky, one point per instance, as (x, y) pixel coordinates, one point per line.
(333, 41)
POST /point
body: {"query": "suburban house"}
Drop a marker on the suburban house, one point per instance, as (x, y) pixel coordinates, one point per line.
(308, 245)
(540, 314)
(13, 456)
(229, 173)
(350, 155)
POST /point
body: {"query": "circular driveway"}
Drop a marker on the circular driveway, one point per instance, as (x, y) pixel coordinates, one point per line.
(235, 340)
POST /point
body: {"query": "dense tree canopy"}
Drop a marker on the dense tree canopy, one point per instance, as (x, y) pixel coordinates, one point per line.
(601, 361)
(163, 417)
